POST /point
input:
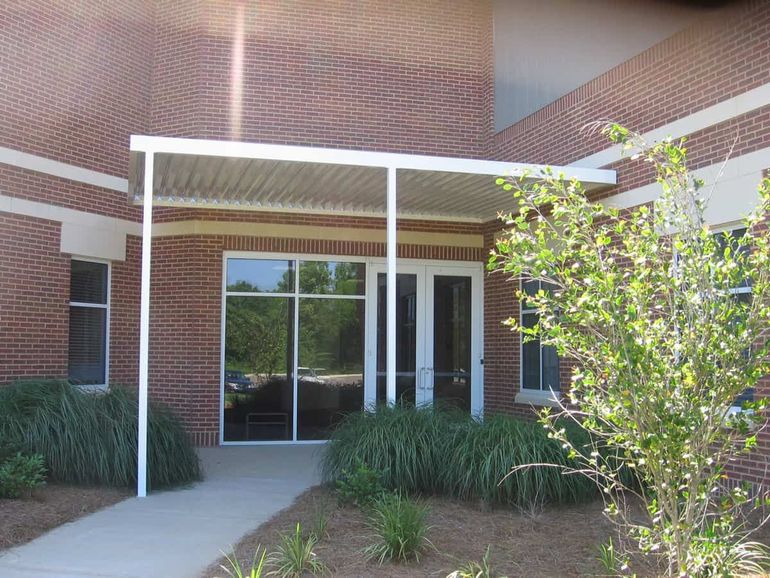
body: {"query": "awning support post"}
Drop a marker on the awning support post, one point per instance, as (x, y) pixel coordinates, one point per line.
(391, 285)
(144, 325)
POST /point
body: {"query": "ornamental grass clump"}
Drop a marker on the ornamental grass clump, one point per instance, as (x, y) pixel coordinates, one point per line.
(91, 438)
(446, 452)
(257, 568)
(407, 446)
(667, 324)
(479, 460)
(294, 556)
(400, 528)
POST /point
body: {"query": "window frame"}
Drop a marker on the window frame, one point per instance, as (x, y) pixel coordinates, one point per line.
(541, 396)
(107, 307)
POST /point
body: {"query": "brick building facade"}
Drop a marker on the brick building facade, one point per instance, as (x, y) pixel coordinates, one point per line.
(410, 77)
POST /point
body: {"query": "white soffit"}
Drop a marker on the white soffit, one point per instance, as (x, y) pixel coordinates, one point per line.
(236, 175)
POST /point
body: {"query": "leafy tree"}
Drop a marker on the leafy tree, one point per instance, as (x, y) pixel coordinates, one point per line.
(642, 301)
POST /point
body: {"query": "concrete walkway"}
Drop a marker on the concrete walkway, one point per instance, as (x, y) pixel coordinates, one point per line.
(174, 534)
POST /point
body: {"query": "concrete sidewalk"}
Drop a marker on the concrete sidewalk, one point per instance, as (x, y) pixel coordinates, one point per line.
(174, 534)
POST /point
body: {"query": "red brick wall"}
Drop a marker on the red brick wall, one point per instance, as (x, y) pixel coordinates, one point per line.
(34, 299)
(723, 55)
(185, 328)
(501, 345)
(35, 186)
(124, 315)
(81, 76)
(370, 74)
(75, 78)
(34, 304)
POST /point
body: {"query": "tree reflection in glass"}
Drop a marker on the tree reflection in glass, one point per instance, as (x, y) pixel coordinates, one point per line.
(330, 376)
(331, 360)
(259, 368)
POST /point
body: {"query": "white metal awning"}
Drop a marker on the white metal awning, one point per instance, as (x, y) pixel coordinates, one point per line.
(237, 175)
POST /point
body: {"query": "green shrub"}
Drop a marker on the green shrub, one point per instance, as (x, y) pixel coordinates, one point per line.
(92, 438)
(360, 486)
(8, 449)
(21, 474)
(449, 453)
(294, 557)
(400, 527)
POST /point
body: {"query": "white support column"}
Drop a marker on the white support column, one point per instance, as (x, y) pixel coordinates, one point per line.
(391, 292)
(144, 325)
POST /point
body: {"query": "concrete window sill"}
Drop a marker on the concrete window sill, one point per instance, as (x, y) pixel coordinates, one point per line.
(539, 398)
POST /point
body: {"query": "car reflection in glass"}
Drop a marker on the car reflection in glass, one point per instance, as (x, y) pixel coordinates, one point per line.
(237, 381)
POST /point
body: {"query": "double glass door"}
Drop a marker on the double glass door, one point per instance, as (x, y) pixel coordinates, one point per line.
(438, 336)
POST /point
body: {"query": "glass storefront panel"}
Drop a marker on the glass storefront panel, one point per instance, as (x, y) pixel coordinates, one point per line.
(258, 377)
(330, 375)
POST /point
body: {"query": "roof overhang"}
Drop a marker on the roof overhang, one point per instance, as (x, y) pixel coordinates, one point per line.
(197, 173)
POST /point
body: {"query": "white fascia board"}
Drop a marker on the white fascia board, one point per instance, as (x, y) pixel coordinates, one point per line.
(697, 121)
(731, 188)
(62, 170)
(233, 149)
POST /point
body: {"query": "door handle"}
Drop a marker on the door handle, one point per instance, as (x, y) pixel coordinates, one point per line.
(429, 381)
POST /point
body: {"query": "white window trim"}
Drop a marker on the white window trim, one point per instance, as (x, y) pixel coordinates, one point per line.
(97, 387)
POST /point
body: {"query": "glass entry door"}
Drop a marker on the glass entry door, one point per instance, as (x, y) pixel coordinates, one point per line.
(438, 336)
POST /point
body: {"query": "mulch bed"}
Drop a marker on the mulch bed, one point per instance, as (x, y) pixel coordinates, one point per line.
(557, 541)
(51, 506)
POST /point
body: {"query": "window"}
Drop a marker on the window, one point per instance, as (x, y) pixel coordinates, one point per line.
(88, 327)
(742, 292)
(539, 363)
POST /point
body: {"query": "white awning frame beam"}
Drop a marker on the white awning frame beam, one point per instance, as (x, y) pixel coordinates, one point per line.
(144, 327)
(248, 150)
(390, 162)
(144, 320)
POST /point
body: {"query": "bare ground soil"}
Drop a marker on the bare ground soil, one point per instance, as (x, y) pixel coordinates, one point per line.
(559, 541)
(52, 505)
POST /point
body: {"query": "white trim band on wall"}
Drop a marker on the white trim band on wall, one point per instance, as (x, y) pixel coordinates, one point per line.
(62, 170)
